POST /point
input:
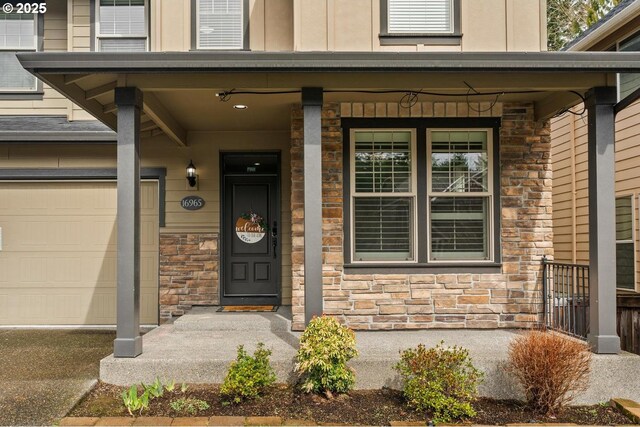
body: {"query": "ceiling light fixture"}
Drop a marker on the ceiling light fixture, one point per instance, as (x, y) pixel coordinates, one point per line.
(240, 107)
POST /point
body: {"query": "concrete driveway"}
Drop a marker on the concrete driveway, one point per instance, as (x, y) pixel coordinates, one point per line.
(44, 372)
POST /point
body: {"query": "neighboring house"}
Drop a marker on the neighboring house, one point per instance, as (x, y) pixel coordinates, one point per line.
(383, 161)
(617, 31)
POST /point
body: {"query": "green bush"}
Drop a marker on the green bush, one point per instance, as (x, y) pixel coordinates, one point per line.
(248, 376)
(189, 405)
(325, 348)
(440, 380)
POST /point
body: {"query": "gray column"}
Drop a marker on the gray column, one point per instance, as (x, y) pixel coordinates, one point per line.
(602, 221)
(312, 109)
(128, 342)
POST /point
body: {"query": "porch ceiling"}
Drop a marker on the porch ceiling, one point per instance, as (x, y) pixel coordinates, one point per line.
(180, 88)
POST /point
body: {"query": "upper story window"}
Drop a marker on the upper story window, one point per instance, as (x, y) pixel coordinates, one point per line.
(221, 24)
(18, 33)
(420, 21)
(629, 82)
(122, 26)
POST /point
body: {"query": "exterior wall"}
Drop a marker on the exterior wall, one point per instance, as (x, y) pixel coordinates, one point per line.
(354, 25)
(188, 272)
(510, 298)
(570, 185)
(203, 225)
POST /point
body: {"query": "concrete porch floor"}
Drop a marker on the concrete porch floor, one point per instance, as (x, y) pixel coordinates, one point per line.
(199, 346)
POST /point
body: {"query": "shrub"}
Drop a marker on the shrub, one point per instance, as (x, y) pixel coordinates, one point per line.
(189, 405)
(440, 380)
(325, 348)
(551, 368)
(248, 376)
(133, 402)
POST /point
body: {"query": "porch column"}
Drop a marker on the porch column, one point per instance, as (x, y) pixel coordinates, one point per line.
(128, 342)
(312, 116)
(602, 337)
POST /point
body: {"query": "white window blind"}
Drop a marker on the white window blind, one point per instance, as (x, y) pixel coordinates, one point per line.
(122, 26)
(383, 201)
(220, 24)
(625, 258)
(17, 33)
(420, 16)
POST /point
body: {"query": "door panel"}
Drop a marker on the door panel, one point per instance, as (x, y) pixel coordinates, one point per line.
(250, 247)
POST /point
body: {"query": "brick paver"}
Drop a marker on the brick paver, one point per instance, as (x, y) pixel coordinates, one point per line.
(298, 422)
(190, 421)
(263, 421)
(79, 421)
(153, 421)
(115, 421)
(226, 421)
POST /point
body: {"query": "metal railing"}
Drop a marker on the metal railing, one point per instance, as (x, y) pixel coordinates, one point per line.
(565, 292)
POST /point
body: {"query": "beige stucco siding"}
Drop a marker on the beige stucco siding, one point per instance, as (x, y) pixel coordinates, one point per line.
(354, 25)
(570, 180)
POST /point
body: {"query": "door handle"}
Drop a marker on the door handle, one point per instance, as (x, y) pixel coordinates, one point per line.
(274, 238)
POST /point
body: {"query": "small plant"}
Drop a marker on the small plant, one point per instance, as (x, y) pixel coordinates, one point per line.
(248, 375)
(133, 402)
(183, 388)
(155, 389)
(441, 380)
(551, 368)
(189, 405)
(325, 348)
(170, 386)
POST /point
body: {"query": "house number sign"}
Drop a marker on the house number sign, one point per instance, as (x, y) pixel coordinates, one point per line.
(192, 203)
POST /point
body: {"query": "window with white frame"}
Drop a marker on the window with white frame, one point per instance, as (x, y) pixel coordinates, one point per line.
(459, 194)
(625, 248)
(220, 24)
(122, 26)
(18, 32)
(383, 195)
(420, 16)
(454, 212)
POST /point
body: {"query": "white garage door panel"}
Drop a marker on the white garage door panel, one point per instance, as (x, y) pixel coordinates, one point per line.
(58, 263)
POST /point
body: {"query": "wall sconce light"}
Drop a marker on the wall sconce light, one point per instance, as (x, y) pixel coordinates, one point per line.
(192, 177)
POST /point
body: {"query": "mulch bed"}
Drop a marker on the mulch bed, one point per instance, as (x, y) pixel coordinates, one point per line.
(363, 407)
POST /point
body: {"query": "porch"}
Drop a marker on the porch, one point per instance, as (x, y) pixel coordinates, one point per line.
(199, 346)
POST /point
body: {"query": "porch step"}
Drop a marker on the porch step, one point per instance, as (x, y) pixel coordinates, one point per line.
(209, 319)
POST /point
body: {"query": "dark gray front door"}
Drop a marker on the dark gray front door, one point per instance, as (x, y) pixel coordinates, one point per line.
(251, 250)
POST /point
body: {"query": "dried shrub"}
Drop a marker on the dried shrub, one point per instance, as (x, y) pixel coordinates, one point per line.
(441, 380)
(325, 348)
(551, 368)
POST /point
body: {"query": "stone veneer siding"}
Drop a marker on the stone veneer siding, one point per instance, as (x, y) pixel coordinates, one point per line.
(188, 272)
(511, 298)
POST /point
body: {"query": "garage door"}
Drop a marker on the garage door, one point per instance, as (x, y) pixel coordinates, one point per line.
(58, 257)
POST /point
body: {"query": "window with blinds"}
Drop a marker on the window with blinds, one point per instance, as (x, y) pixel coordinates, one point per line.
(459, 194)
(625, 251)
(383, 195)
(122, 26)
(17, 33)
(420, 16)
(220, 24)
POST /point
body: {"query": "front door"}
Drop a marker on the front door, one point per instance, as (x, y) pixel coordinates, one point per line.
(250, 209)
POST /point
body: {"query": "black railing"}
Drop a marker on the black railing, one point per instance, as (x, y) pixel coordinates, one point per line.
(565, 292)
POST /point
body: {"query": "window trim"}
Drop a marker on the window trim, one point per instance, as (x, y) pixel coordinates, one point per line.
(632, 197)
(636, 93)
(95, 27)
(389, 39)
(195, 33)
(423, 265)
(413, 194)
(484, 194)
(38, 92)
